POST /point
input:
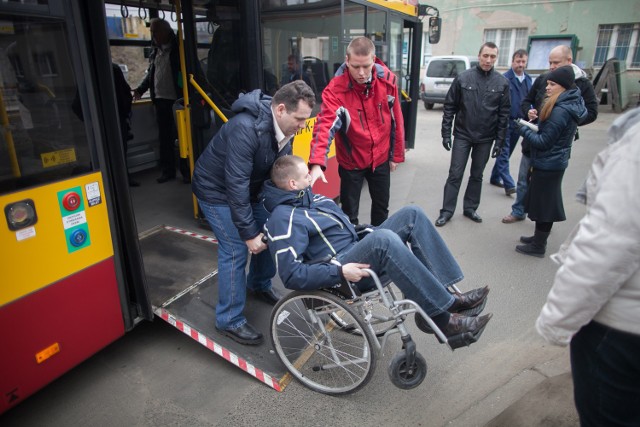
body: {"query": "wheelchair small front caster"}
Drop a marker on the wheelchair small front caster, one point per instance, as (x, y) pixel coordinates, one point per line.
(404, 376)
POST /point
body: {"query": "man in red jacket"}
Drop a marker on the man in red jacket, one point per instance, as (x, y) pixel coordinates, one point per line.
(361, 110)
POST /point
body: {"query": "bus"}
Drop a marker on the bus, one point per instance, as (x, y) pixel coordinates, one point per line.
(84, 256)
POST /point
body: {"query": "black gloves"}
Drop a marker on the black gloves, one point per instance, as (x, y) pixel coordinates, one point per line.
(496, 151)
(446, 143)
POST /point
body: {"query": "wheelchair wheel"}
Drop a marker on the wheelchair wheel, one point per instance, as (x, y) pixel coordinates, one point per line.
(381, 319)
(407, 377)
(315, 349)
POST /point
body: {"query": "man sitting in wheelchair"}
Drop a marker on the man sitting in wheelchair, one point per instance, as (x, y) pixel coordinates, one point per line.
(305, 227)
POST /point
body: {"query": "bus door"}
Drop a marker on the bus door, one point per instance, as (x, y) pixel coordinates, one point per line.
(67, 287)
(180, 256)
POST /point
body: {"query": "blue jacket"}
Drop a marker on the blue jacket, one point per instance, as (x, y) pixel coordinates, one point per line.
(238, 160)
(551, 145)
(304, 227)
(518, 91)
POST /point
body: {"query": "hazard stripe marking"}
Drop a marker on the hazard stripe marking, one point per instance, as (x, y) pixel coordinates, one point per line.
(191, 233)
(218, 349)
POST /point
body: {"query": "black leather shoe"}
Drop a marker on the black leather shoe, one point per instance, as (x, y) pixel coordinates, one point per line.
(164, 178)
(269, 296)
(245, 334)
(469, 300)
(473, 216)
(443, 219)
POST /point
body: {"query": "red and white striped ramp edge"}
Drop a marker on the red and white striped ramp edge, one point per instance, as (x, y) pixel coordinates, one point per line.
(218, 349)
(190, 233)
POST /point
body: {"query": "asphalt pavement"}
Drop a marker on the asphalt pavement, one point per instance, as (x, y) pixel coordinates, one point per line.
(157, 376)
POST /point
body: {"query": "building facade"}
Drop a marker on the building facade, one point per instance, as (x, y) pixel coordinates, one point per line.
(597, 30)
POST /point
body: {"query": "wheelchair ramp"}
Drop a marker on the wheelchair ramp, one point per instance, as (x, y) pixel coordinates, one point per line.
(181, 269)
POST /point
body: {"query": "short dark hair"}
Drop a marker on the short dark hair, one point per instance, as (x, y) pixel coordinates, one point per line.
(519, 52)
(291, 93)
(283, 169)
(361, 46)
(490, 45)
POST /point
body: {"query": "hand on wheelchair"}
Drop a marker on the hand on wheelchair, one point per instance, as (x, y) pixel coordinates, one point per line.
(354, 272)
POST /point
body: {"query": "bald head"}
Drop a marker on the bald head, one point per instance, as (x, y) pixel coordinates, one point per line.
(559, 57)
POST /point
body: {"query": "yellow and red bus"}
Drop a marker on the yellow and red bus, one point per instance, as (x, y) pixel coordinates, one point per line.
(84, 256)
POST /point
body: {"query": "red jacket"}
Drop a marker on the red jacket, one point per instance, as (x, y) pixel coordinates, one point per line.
(368, 127)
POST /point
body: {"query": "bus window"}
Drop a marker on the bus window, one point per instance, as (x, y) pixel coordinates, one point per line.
(310, 32)
(43, 137)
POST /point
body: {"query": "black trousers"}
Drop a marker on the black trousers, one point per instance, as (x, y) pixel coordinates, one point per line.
(606, 376)
(460, 153)
(167, 135)
(379, 181)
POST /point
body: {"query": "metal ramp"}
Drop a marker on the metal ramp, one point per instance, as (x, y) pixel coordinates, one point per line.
(181, 268)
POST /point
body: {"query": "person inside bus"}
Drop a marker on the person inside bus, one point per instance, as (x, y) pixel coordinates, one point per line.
(227, 179)
(163, 82)
(361, 110)
(306, 227)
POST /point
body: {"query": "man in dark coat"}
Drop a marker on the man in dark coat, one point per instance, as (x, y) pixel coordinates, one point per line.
(227, 180)
(479, 100)
(163, 81)
(519, 86)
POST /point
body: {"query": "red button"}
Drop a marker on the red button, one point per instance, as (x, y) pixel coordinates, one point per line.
(71, 201)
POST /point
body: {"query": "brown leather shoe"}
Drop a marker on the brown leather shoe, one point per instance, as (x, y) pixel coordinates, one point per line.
(510, 219)
(459, 324)
(469, 299)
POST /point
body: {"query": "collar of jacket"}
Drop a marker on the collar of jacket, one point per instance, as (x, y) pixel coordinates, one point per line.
(483, 72)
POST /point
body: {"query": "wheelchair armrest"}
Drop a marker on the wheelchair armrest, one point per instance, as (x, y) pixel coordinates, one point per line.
(362, 230)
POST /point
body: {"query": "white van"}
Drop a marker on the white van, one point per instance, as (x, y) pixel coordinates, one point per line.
(441, 70)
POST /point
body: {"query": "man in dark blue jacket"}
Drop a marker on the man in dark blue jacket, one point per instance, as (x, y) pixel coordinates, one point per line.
(305, 227)
(227, 180)
(519, 86)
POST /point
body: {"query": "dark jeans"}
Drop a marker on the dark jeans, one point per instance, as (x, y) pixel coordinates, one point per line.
(459, 156)
(167, 135)
(379, 181)
(605, 364)
(500, 171)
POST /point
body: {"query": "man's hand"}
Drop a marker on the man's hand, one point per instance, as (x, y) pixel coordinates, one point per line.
(532, 114)
(256, 245)
(393, 166)
(496, 151)
(354, 272)
(446, 143)
(136, 95)
(316, 172)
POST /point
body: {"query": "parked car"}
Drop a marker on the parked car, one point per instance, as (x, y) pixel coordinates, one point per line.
(441, 70)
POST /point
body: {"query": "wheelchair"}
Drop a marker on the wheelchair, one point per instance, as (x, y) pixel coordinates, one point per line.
(330, 339)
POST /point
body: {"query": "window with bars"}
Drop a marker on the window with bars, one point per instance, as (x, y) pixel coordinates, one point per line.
(619, 41)
(508, 41)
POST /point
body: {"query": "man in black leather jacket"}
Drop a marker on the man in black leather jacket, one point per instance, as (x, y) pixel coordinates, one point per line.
(479, 99)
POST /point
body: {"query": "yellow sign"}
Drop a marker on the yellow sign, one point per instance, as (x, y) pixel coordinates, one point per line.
(60, 157)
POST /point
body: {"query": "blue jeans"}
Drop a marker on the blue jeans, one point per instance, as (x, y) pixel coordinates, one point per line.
(606, 376)
(500, 171)
(517, 209)
(232, 261)
(423, 272)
